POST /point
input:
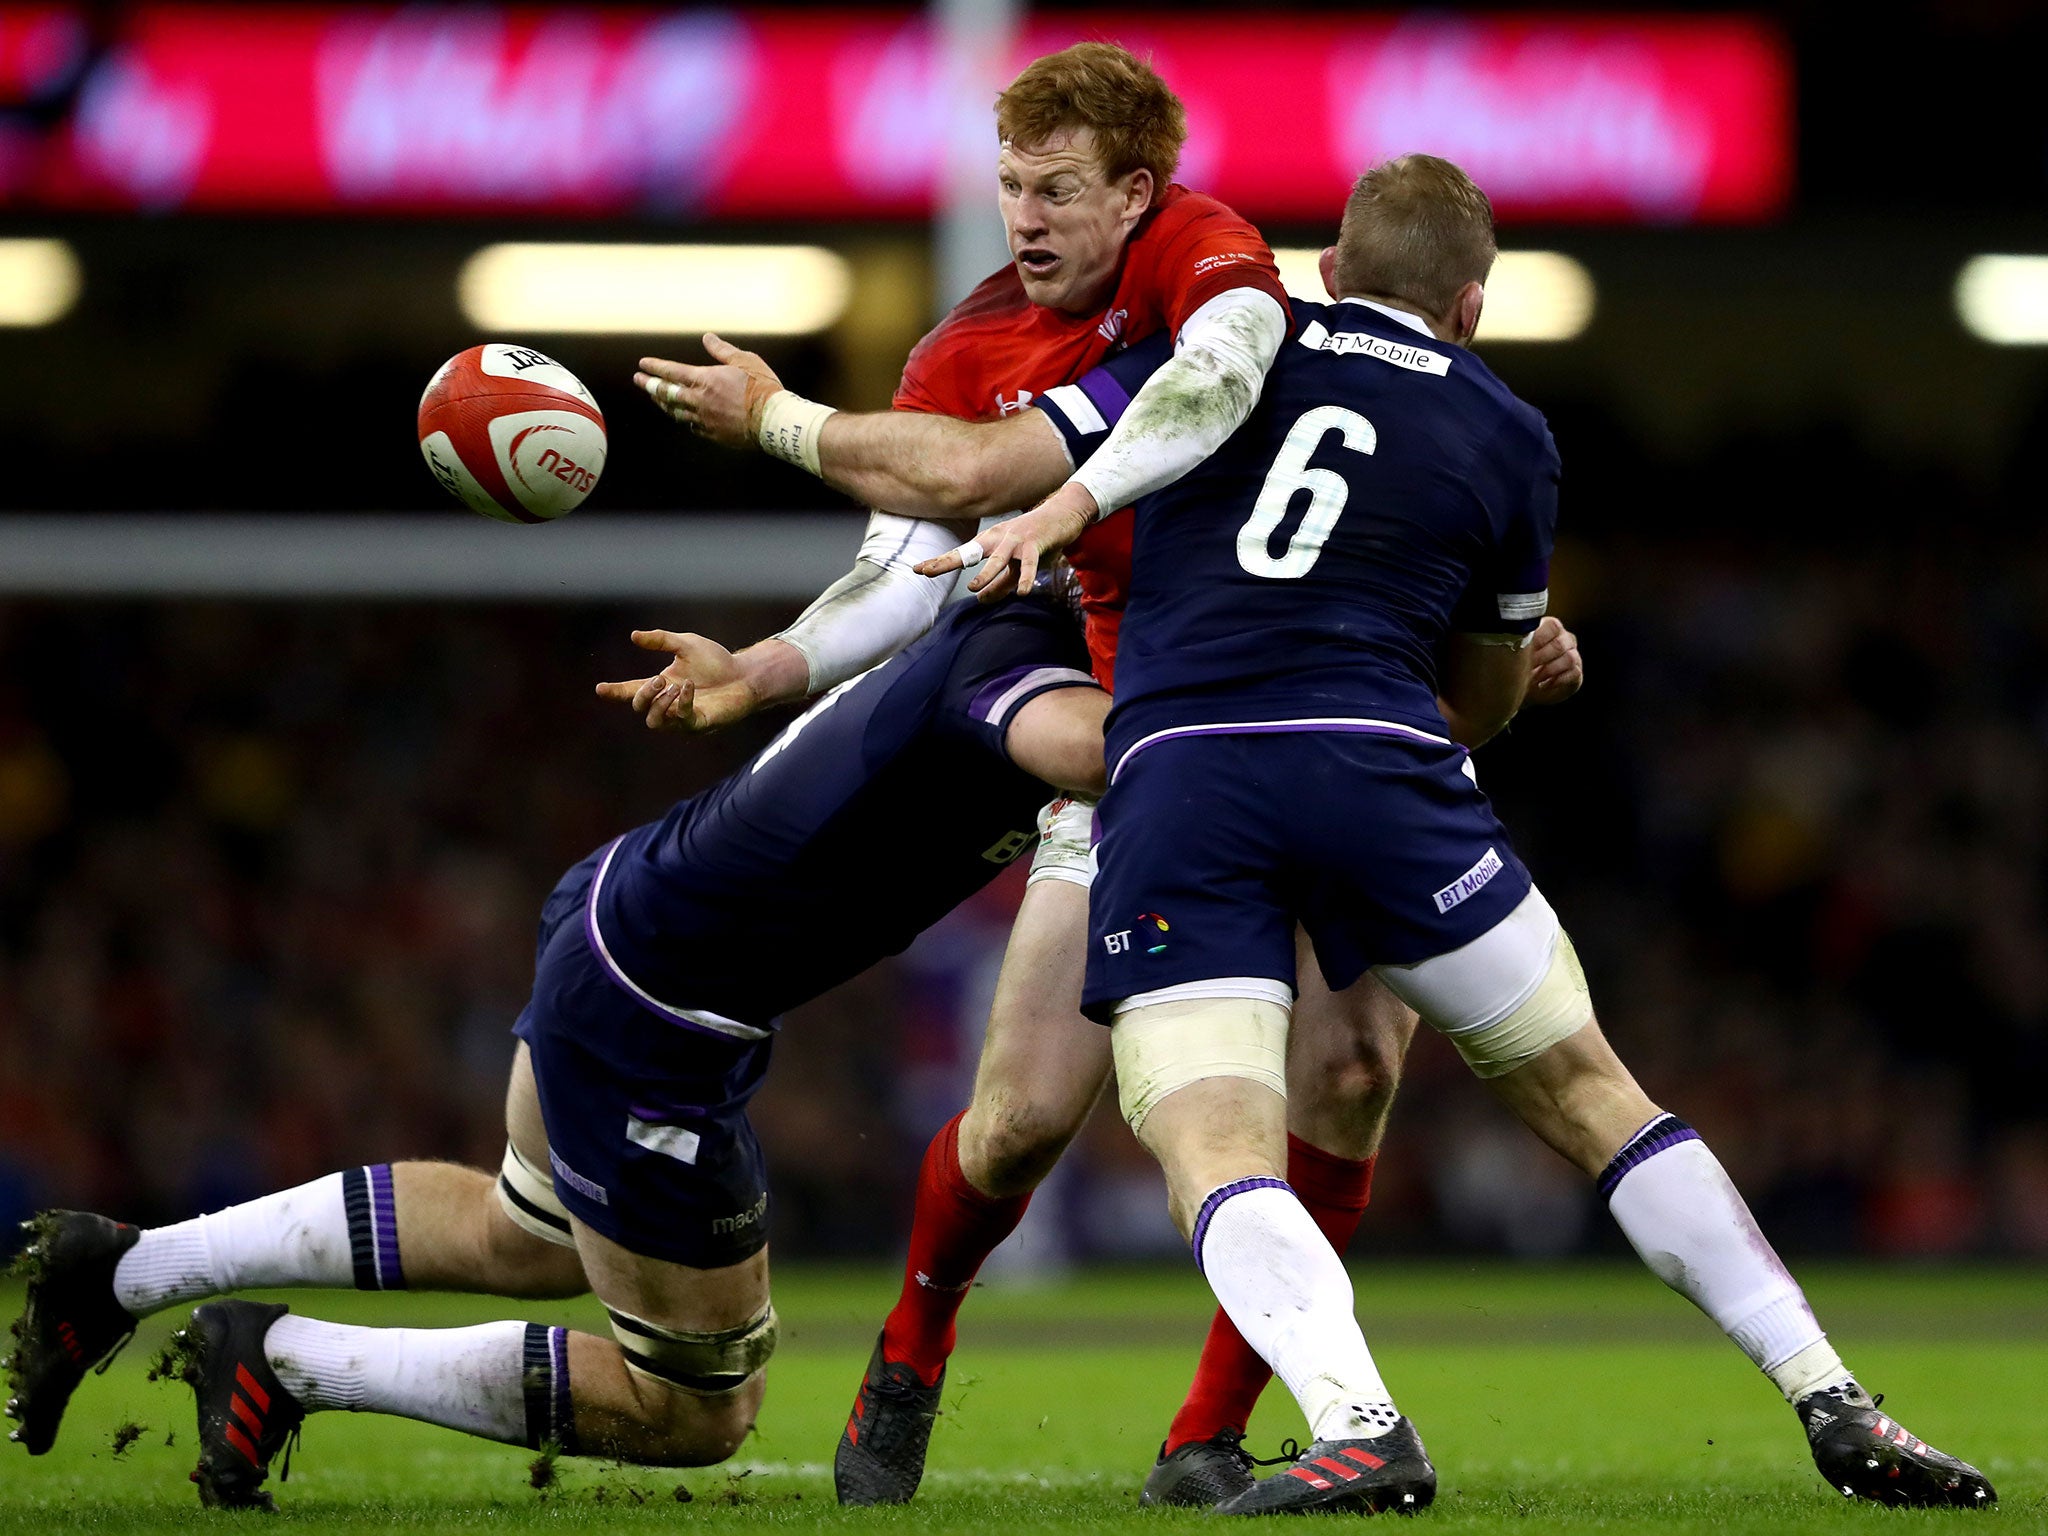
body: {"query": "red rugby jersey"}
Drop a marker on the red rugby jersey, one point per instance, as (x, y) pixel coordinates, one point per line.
(997, 350)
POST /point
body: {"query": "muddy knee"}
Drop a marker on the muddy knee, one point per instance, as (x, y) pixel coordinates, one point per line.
(1008, 1146)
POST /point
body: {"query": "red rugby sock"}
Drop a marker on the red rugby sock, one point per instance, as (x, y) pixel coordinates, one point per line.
(1231, 1374)
(954, 1229)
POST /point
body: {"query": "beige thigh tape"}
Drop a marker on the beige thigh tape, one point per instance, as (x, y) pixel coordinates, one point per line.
(1163, 1047)
(1560, 1007)
(708, 1364)
(527, 1194)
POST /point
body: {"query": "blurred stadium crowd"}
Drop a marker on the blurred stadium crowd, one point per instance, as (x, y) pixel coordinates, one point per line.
(269, 876)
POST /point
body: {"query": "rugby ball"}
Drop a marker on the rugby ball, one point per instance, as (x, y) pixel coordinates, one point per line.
(511, 433)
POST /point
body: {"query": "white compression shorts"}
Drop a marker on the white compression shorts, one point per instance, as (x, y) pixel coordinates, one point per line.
(1506, 997)
(1066, 843)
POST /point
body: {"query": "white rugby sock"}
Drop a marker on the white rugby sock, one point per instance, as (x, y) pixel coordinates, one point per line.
(1286, 1290)
(340, 1230)
(503, 1381)
(1678, 1208)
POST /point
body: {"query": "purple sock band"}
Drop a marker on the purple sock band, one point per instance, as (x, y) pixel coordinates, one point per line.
(561, 1410)
(384, 1227)
(371, 1206)
(1215, 1201)
(1662, 1132)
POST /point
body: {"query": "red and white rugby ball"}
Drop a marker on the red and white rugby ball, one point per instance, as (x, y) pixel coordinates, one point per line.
(511, 433)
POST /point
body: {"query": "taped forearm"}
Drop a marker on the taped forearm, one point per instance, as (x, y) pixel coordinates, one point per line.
(1189, 408)
(878, 607)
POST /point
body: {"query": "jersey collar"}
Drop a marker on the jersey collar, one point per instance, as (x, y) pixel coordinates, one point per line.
(1413, 322)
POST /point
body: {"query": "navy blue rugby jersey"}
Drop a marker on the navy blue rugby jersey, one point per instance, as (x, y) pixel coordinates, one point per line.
(875, 812)
(1386, 491)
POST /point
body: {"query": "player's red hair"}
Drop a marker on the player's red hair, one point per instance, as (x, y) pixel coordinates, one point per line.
(1139, 124)
(1416, 229)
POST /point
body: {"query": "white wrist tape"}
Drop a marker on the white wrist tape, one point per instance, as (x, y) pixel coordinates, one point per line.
(790, 425)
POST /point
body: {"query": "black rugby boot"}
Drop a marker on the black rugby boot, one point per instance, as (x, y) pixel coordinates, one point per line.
(880, 1459)
(1870, 1455)
(1199, 1474)
(1388, 1474)
(245, 1414)
(70, 1324)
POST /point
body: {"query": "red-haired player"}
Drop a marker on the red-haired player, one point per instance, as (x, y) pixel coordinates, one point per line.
(1106, 251)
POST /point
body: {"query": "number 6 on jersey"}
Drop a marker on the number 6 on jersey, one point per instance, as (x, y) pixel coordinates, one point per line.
(1326, 488)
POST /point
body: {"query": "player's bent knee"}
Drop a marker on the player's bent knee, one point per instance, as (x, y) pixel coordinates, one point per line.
(1162, 1048)
(1007, 1146)
(1508, 996)
(704, 1429)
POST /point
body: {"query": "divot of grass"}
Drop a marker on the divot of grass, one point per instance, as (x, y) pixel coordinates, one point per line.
(540, 1472)
(28, 1263)
(176, 1360)
(125, 1435)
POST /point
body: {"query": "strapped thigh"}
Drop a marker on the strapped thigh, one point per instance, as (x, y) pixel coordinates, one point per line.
(527, 1195)
(1506, 997)
(1162, 1047)
(707, 1364)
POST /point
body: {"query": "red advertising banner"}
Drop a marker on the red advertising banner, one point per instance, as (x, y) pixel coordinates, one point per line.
(847, 114)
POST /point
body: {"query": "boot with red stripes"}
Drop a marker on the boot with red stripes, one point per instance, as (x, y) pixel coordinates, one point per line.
(1388, 1474)
(245, 1414)
(1870, 1455)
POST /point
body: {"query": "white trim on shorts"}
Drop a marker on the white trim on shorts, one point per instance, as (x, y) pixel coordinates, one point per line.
(1257, 989)
(700, 1018)
(1336, 723)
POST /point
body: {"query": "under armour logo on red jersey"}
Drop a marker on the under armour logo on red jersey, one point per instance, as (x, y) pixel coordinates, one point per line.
(1012, 407)
(1112, 324)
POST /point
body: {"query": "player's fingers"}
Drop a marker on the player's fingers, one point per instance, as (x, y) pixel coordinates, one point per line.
(648, 694)
(722, 349)
(661, 640)
(1027, 566)
(1000, 585)
(994, 563)
(618, 693)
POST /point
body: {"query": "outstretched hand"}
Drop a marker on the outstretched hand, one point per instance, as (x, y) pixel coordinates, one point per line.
(722, 401)
(1556, 671)
(700, 691)
(1009, 554)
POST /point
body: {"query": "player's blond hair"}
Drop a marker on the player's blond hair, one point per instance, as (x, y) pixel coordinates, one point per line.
(1416, 229)
(1139, 124)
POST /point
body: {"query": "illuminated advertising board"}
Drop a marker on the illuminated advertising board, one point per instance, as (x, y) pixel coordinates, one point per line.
(701, 114)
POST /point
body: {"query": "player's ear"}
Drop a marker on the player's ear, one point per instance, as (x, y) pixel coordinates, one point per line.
(1327, 265)
(1138, 193)
(1465, 313)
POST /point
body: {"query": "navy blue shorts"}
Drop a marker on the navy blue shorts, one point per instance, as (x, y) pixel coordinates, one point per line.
(646, 1118)
(1214, 846)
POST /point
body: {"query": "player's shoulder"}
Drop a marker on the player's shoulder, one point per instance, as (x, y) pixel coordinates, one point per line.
(1181, 210)
(960, 343)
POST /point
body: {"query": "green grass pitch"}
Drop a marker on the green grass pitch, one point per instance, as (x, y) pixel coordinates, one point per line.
(1582, 1399)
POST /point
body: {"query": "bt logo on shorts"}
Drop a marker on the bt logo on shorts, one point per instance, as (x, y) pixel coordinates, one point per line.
(1153, 925)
